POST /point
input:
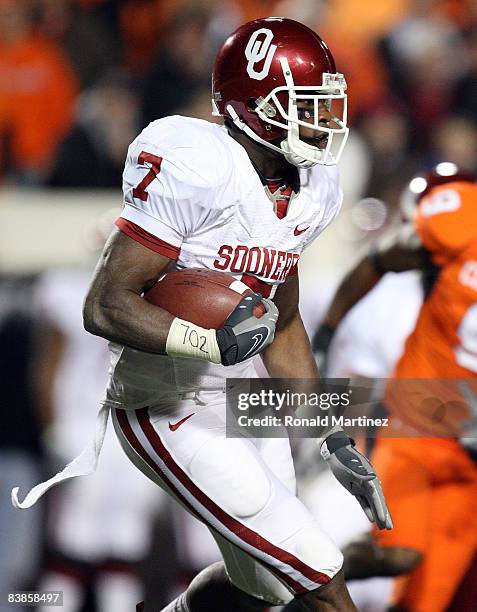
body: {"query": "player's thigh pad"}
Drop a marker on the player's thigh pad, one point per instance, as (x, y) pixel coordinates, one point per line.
(228, 485)
(231, 473)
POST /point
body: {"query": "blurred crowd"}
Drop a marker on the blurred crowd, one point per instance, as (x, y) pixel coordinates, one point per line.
(78, 80)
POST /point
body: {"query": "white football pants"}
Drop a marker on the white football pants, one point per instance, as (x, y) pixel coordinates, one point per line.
(243, 489)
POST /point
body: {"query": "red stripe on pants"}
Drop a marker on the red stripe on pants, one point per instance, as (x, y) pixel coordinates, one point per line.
(239, 529)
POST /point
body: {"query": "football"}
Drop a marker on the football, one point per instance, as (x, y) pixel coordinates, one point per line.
(203, 297)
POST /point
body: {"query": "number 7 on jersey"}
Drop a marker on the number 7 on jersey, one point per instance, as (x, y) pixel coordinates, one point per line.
(147, 158)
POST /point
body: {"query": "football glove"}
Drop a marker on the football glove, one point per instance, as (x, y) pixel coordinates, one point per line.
(244, 334)
(356, 475)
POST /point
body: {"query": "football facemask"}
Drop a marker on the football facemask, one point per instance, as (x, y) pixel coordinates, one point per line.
(304, 113)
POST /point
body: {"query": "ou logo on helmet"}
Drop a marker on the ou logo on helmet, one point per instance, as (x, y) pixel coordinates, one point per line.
(259, 49)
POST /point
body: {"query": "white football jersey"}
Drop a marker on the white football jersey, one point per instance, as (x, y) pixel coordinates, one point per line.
(365, 344)
(192, 194)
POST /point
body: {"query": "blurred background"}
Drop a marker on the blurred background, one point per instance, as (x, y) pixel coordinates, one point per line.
(78, 80)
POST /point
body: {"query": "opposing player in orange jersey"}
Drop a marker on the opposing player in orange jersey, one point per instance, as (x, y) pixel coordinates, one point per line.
(427, 463)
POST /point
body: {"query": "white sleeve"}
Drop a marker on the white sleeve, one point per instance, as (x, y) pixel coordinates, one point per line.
(353, 352)
(164, 201)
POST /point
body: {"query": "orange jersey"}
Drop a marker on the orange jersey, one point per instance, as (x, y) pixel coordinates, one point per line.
(37, 93)
(443, 344)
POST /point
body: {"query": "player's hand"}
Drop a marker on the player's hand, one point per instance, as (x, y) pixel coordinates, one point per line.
(320, 345)
(244, 335)
(357, 475)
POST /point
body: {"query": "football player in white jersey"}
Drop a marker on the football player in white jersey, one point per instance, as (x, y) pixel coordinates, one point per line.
(245, 198)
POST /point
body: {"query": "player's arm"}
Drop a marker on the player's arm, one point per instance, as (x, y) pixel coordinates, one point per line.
(114, 309)
(361, 279)
(290, 354)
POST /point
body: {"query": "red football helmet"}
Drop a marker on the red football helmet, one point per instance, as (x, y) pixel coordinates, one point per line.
(421, 185)
(272, 76)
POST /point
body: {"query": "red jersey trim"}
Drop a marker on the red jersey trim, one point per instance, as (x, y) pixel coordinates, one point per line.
(148, 240)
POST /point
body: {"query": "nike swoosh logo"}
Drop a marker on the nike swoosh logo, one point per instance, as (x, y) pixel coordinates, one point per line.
(174, 426)
(257, 339)
(299, 231)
